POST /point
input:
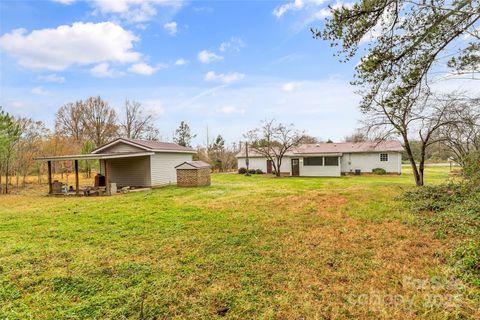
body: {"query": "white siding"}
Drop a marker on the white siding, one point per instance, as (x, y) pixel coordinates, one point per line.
(320, 171)
(133, 171)
(349, 162)
(254, 163)
(121, 147)
(368, 161)
(261, 163)
(287, 164)
(163, 167)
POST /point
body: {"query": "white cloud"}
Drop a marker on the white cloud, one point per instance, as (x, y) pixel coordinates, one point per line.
(171, 27)
(40, 91)
(231, 110)
(322, 14)
(81, 43)
(181, 62)
(281, 10)
(295, 5)
(143, 69)
(234, 44)
(52, 78)
(205, 56)
(134, 10)
(327, 12)
(224, 77)
(154, 107)
(291, 86)
(103, 70)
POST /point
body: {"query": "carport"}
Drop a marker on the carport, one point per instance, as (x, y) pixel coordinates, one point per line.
(104, 161)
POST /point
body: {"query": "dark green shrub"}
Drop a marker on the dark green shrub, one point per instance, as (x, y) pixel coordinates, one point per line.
(242, 170)
(466, 259)
(454, 212)
(379, 171)
(471, 169)
(259, 171)
(252, 171)
(434, 198)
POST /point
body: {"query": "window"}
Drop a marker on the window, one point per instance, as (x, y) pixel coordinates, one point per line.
(331, 161)
(313, 161)
(383, 156)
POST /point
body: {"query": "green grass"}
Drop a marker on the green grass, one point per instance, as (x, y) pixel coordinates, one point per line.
(246, 247)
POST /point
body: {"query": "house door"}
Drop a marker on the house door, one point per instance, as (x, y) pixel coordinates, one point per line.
(295, 168)
(269, 166)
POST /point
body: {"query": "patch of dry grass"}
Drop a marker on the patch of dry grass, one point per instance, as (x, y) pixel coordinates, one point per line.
(246, 247)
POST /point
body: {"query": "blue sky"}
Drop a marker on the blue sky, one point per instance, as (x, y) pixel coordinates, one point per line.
(222, 64)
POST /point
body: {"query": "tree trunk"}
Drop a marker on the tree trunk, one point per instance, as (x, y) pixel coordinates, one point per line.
(416, 174)
(6, 179)
(279, 164)
(423, 155)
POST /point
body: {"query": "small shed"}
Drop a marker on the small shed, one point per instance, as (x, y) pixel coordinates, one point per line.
(193, 174)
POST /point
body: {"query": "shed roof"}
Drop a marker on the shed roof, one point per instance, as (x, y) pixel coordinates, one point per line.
(343, 147)
(148, 145)
(195, 164)
(95, 156)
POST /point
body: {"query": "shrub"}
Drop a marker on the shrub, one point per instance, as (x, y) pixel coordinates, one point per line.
(242, 170)
(471, 169)
(466, 259)
(379, 171)
(454, 211)
(259, 171)
(434, 198)
(252, 171)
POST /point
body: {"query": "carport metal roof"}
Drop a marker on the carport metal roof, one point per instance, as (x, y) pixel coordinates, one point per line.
(98, 156)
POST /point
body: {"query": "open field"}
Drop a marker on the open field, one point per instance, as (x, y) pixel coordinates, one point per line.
(246, 247)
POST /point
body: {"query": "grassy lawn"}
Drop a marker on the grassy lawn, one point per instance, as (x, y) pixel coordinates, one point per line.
(244, 248)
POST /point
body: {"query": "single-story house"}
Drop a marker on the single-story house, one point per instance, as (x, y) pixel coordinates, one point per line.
(130, 162)
(330, 159)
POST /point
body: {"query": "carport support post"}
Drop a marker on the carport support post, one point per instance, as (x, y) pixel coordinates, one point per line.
(49, 166)
(76, 178)
(106, 177)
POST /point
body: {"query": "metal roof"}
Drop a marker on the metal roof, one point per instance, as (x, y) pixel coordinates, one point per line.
(349, 147)
(148, 145)
(336, 148)
(195, 164)
(99, 156)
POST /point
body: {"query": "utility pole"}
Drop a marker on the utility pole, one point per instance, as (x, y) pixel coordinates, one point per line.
(208, 145)
(246, 158)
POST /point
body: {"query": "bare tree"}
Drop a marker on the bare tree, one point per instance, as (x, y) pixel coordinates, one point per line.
(137, 124)
(357, 136)
(99, 121)
(273, 140)
(69, 121)
(419, 114)
(310, 139)
(32, 134)
(462, 137)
